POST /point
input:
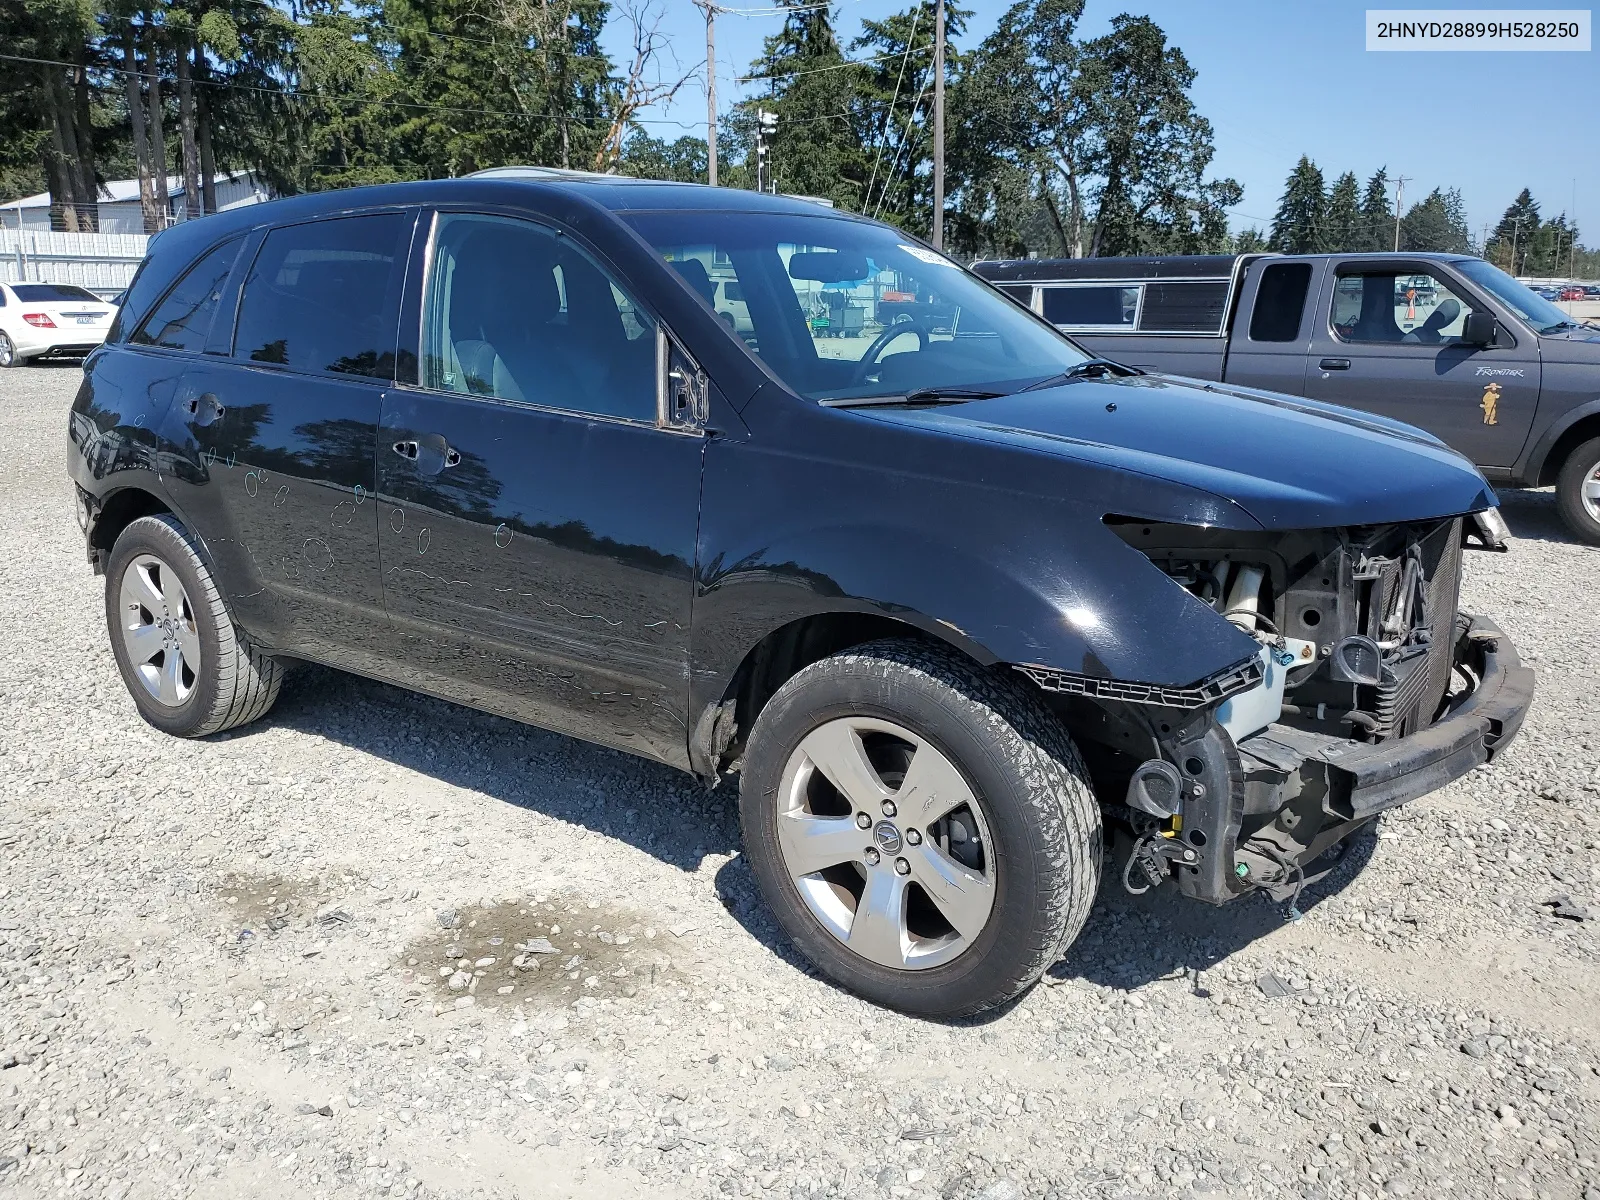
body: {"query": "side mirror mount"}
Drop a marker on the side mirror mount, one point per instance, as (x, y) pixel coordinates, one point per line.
(1479, 329)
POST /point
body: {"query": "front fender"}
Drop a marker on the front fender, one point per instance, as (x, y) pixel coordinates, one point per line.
(1002, 577)
(1531, 469)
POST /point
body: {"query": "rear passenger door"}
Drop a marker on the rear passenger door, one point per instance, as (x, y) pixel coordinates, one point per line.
(538, 506)
(283, 411)
(1272, 333)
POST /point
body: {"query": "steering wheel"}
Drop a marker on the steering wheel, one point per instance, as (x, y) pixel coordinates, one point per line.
(880, 343)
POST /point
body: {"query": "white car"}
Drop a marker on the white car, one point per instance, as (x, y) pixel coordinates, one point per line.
(55, 320)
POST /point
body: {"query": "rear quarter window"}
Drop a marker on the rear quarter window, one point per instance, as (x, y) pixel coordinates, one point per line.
(182, 321)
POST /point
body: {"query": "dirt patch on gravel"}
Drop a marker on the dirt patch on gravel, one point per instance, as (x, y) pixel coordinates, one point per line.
(544, 951)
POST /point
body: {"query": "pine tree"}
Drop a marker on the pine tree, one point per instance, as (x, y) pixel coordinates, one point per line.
(815, 150)
(1377, 217)
(1345, 229)
(1300, 224)
(1436, 222)
(1510, 243)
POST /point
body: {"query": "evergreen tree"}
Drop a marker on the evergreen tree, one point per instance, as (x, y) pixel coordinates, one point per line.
(1346, 230)
(1300, 224)
(1248, 241)
(1377, 215)
(815, 150)
(1437, 222)
(1509, 245)
(686, 160)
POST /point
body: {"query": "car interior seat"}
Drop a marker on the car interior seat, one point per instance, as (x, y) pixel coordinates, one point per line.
(1440, 318)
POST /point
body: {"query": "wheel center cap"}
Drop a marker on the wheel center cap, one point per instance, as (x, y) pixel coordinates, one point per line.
(887, 837)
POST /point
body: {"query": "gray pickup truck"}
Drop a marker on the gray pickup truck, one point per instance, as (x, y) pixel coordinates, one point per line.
(1446, 342)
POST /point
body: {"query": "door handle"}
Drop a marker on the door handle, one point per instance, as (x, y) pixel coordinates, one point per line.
(205, 409)
(1335, 364)
(430, 452)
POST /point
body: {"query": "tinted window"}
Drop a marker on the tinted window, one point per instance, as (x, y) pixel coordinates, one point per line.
(53, 293)
(1017, 291)
(516, 313)
(1103, 306)
(182, 321)
(1280, 302)
(1184, 307)
(319, 296)
(1390, 306)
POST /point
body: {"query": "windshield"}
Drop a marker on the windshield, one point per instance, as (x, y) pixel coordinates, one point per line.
(51, 293)
(840, 309)
(1519, 297)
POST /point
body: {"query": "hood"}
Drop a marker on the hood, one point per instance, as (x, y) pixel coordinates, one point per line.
(1288, 462)
(1580, 343)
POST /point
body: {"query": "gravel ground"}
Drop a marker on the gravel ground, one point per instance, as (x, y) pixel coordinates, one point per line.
(382, 945)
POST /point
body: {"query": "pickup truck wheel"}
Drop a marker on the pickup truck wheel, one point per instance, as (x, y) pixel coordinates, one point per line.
(1578, 491)
(923, 829)
(190, 671)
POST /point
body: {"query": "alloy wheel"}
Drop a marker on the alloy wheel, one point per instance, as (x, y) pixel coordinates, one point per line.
(1591, 493)
(886, 843)
(8, 351)
(158, 630)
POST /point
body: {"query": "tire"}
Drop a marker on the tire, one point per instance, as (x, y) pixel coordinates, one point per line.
(163, 609)
(8, 352)
(1581, 471)
(1026, 803)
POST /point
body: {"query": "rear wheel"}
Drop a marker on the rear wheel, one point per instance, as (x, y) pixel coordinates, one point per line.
(1578, 491)
(8, 352)
(190, 671)
(922, 828)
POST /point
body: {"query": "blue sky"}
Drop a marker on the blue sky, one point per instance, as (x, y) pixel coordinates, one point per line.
(1278, 79)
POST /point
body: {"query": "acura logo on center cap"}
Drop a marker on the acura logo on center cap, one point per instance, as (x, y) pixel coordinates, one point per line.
(887, 837)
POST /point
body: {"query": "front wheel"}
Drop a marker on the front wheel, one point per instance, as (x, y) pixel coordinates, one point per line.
(190, 671)
(923, 829)
(1578, 491)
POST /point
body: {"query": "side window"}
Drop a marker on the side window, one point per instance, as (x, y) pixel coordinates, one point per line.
(319, 296)
(1092, 306)
(1280, 302)
(514, 312)
(1398, 307)
(1184, 307)
(182, 321)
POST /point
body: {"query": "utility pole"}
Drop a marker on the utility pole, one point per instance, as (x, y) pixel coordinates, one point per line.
(711, 89)
(766, 126)
(938, 125)
(1516, 230)
(1400, 182)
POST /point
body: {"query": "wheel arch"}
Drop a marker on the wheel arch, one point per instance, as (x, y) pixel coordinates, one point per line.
(1581, 430)
(117, 510)
(781, 654)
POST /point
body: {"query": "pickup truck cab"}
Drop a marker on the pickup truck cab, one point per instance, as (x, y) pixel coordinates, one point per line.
(1446, 342)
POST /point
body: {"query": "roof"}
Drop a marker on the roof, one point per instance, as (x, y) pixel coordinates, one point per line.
(1176, 266)
(116, 191)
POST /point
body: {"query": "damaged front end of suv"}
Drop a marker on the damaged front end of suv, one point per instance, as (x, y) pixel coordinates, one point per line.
(1369, 687)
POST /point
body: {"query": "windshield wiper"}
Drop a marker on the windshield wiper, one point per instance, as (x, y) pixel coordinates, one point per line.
(925, 395)
(1088, 367)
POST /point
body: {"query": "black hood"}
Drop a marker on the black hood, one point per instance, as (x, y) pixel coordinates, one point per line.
(1290, 463)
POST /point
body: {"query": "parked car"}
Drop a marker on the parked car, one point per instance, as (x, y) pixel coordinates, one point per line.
(1547, 293)
(50, 320)
(731, 307)
(1592, 292)
(1572, 292)
(1474, 357)
(948, 605)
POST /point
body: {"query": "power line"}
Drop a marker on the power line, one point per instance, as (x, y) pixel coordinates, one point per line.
(355, 100)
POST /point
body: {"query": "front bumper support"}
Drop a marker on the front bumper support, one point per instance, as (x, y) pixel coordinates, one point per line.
(1365, 779)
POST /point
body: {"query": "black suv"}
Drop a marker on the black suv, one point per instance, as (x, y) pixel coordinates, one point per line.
(947, 593)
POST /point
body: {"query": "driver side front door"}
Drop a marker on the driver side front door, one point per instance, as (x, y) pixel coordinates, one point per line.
(1388, 340)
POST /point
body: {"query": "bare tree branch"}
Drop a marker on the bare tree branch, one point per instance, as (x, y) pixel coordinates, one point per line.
(645, 83)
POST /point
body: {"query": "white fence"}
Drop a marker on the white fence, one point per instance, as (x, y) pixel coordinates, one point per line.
(102, 262)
